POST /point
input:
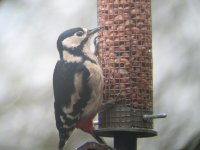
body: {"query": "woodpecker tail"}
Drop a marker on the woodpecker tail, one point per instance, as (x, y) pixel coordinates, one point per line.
(63, 138)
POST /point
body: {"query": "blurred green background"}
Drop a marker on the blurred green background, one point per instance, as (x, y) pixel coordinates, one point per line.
(28, 34)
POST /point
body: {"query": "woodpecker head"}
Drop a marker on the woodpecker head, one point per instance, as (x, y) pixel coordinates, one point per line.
(75, 39)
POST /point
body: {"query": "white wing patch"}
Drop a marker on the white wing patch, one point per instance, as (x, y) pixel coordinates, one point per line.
(62, 119)
(75, 96)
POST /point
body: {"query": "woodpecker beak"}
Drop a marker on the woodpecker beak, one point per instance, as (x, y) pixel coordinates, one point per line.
(93, 31)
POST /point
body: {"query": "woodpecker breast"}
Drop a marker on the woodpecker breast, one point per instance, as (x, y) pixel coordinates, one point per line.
(95, 82)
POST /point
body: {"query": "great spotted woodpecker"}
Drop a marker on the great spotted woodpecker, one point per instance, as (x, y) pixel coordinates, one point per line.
(77, 83)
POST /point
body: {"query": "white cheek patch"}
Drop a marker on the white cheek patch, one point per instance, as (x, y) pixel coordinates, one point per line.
(73, 41)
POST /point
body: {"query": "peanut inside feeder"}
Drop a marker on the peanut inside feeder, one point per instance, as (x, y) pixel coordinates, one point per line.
(125, 52)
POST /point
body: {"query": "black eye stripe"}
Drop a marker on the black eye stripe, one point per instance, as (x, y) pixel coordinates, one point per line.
(79, 33)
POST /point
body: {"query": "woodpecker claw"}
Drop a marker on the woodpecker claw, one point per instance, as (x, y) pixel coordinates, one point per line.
(107, 105)
(98, 138)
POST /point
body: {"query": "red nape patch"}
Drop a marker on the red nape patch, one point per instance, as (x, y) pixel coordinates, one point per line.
(86, 124)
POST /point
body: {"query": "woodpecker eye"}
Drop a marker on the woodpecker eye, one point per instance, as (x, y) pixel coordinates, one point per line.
(79, 33)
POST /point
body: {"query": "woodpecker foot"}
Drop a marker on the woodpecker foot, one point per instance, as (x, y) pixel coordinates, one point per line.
(107, 105)
(94, 146)
(98, 138)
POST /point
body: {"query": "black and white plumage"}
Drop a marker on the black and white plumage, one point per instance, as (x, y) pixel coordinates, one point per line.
(77, 83)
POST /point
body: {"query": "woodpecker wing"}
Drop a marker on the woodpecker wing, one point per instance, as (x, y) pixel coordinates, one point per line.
(71, 92)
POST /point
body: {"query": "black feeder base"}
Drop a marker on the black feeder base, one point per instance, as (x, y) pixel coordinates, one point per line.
(126, 139)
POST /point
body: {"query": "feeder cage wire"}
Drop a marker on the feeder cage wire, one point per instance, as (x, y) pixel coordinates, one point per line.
(125, 54)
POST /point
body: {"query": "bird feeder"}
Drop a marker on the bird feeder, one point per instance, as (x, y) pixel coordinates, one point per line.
(125, 54)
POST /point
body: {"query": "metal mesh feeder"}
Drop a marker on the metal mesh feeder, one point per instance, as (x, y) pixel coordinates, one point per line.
(125, 53)
(126, 58)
